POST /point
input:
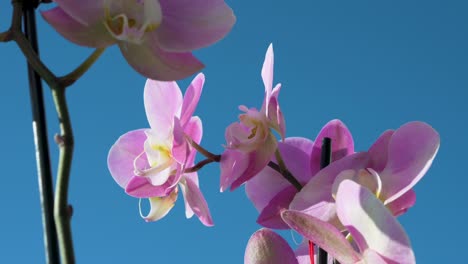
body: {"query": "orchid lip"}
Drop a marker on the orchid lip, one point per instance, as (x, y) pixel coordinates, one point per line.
(128, 27)
(145, 172)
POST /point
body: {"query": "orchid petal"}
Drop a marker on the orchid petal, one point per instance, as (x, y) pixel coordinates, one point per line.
(341, 141)
(195, 199)
(233, 163)
(87, 12)
(400, 205)
(191, 97)
(160, 206)
(274, 114)
(267, 247)
(315, 198)
(270, 216)
(122, 155)
(410, 153)
(151, 61)
(94, 35)
(189, 25)
(163, 101)
(258, 160)
(323, 234)
(141, 187)
(365, 177)
(379, 151)
(180, 147)
(371, 224)
(372, 257)
(267, 74)
(194, 130)
(268, 183)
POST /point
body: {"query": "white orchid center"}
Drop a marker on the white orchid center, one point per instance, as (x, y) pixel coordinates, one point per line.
(158, 150)
(129, 20)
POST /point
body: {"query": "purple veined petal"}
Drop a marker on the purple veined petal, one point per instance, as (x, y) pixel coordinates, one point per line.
(379, 151)
(188, 210)
(94, 35)
(163, 102)
(160, 206)
(262, 188)
(323, 234)
(233, 163)
(370, 256)
(275, 116)
(141, 187)
(180, 148)
(268, 182)
(194, 129)
(87, 12)
(341, 141)
(365, 177)
(270, 216)
(195, 199)
(267, 247)
(316, 196)
(301, 143)
(191, 98)
(190, 25)
(151, 61)
(410, 153)
(371, 224)
(267, 74)
(258, 160)
(123, 154)
(400, 205)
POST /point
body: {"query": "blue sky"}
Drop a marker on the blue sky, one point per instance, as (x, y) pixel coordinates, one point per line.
(373, 64)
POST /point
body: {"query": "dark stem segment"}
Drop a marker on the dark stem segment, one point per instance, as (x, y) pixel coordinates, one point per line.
(44, 171)
(325, 160)
(286, 174)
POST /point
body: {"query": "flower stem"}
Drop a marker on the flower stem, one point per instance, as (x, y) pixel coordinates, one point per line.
(283, 170)
(73, 76)
(199, 165)
(62, 210)
(203, 151)
(325, 160)
(44, 171)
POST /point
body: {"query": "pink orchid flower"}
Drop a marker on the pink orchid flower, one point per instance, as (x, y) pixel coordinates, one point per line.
(390, 169)
(156, 37)
(270, 192)
(250, 142)
(377, 236)
(150, 163)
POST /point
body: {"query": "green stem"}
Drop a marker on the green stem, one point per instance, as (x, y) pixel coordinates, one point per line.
(62, 213)
(73, 76)
(61, 208)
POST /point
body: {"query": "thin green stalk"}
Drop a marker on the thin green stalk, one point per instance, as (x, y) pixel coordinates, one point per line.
(73, 76)
(61, 209)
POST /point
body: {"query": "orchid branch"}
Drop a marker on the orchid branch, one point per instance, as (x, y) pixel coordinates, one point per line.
(73, 76)
(57, 86)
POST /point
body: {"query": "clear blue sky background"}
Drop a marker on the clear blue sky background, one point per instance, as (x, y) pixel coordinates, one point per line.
(373, 64)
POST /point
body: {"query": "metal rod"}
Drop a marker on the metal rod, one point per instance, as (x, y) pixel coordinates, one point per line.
(325, 160)
(44, 171)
